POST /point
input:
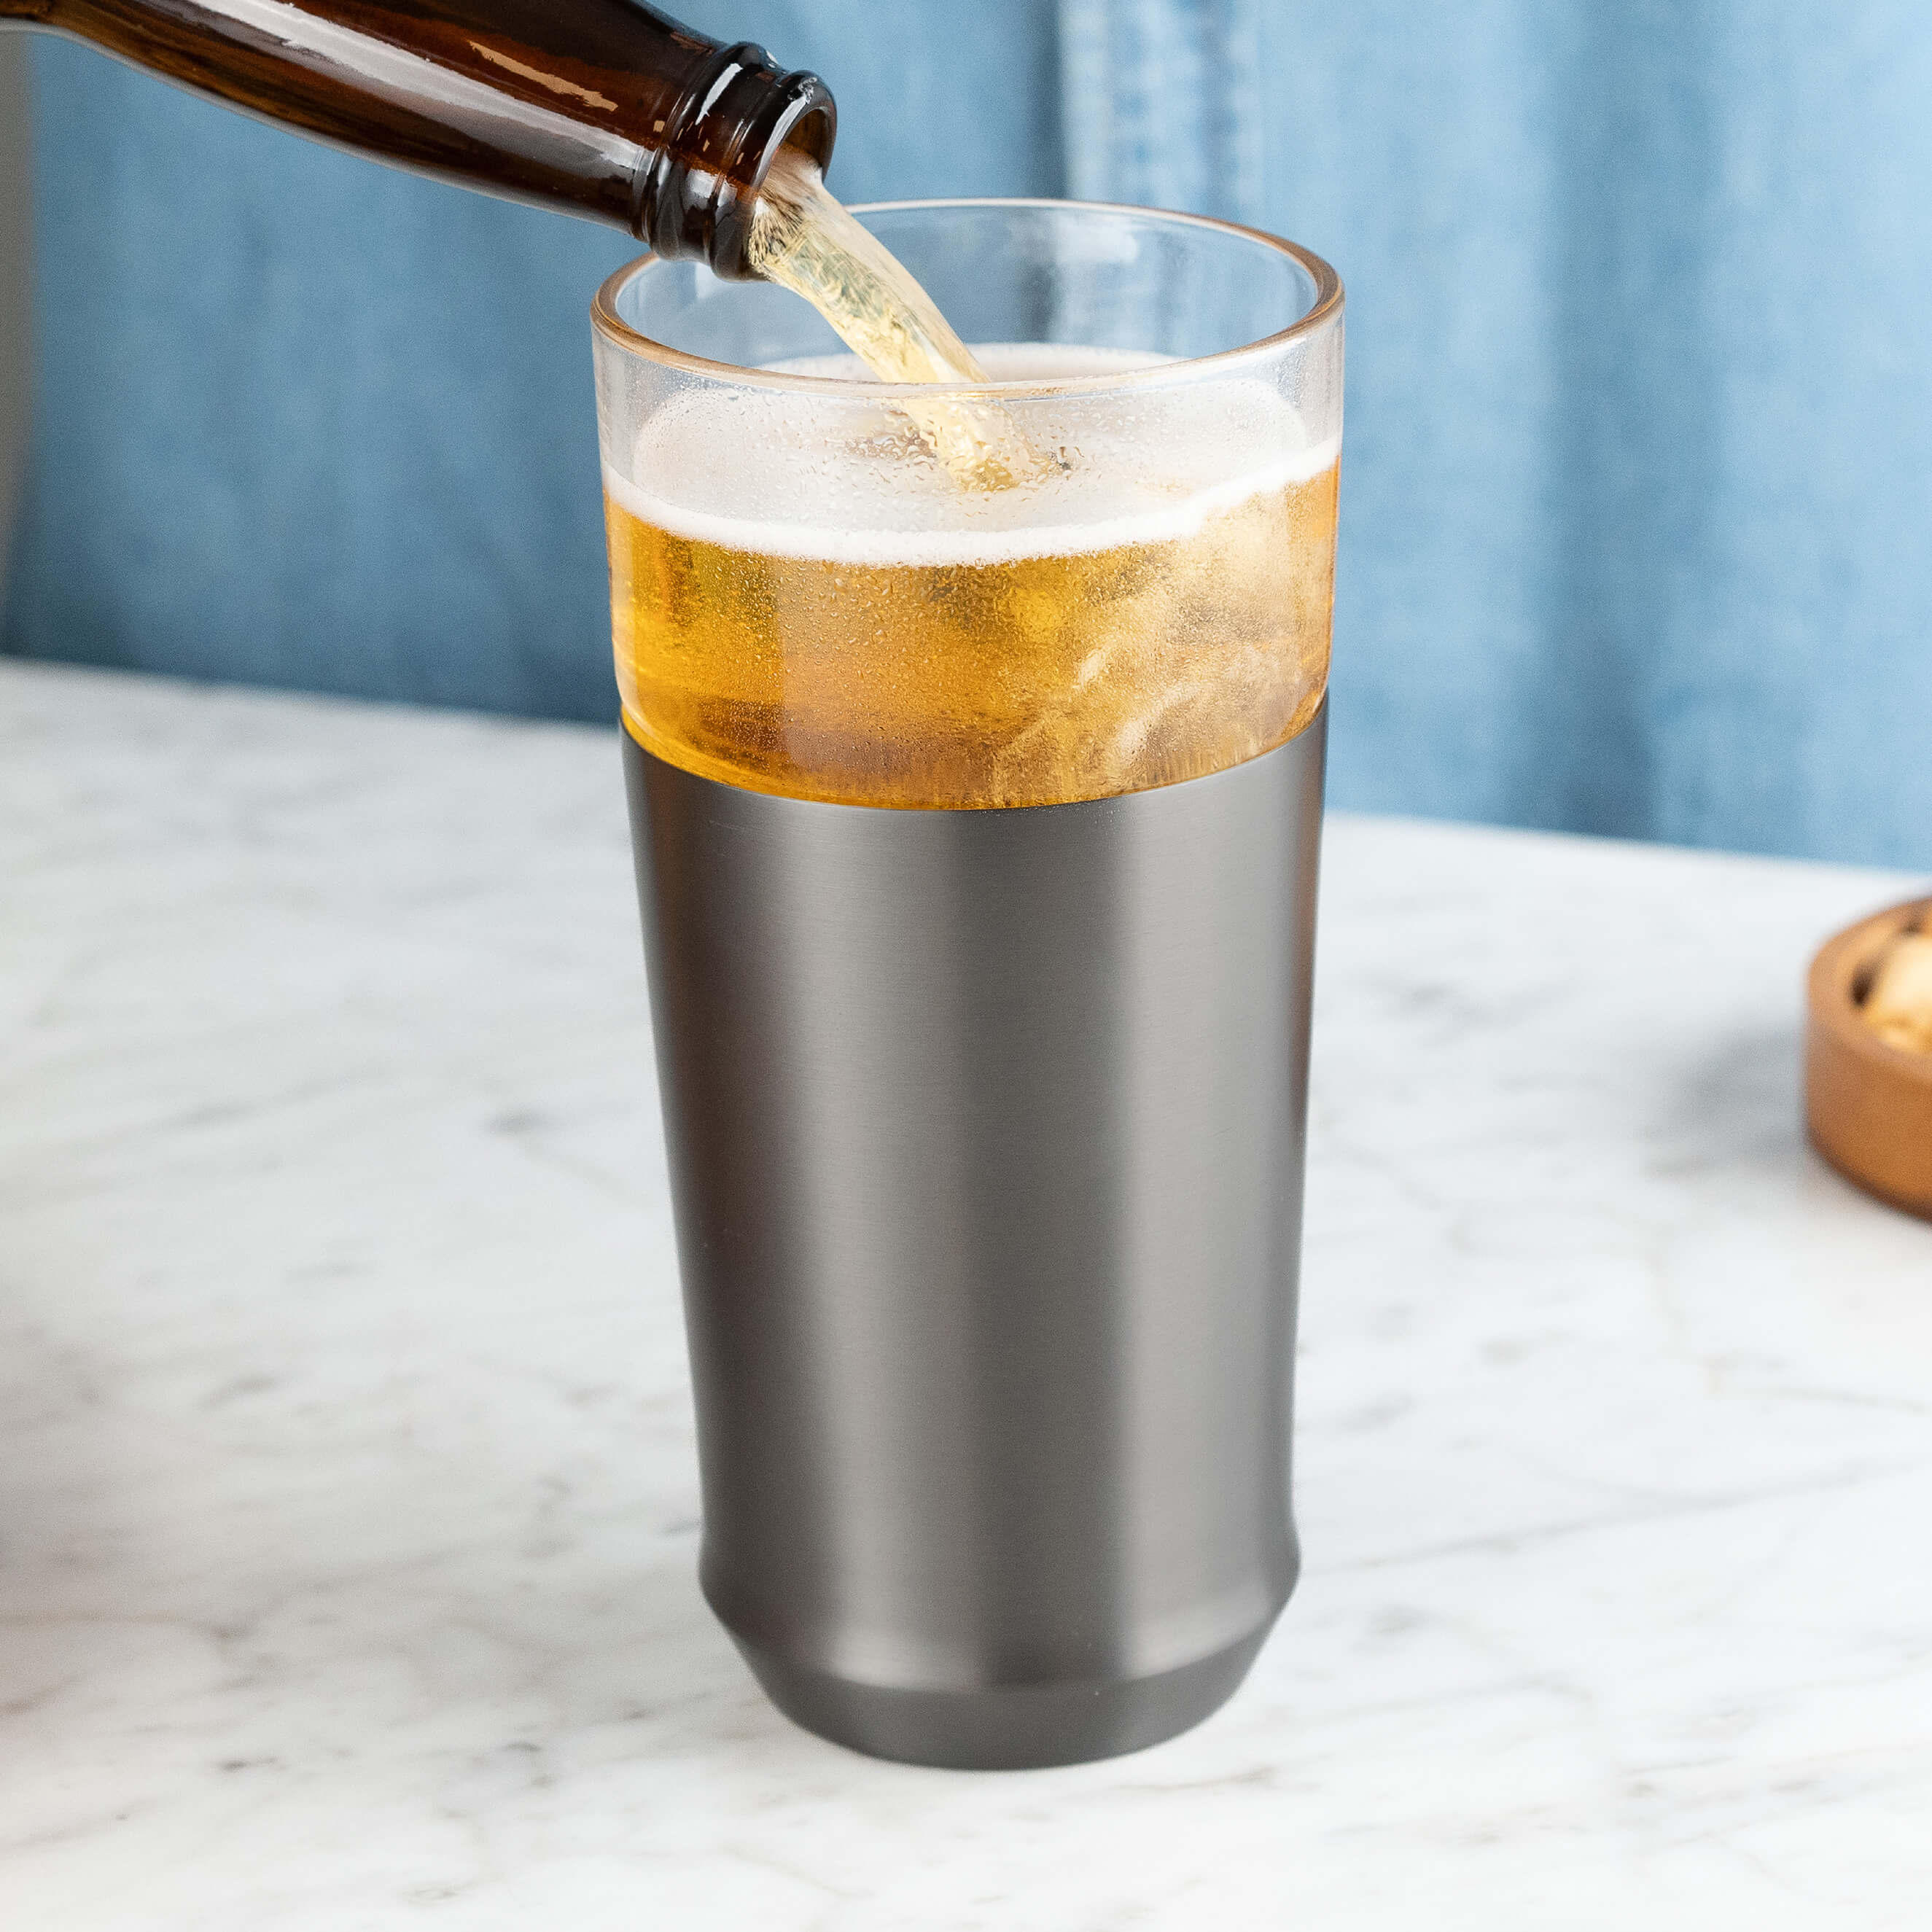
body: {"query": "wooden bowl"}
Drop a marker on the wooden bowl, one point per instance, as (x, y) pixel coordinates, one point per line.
(1868, 1104)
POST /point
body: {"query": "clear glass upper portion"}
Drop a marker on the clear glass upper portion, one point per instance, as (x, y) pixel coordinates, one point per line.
(811, 594)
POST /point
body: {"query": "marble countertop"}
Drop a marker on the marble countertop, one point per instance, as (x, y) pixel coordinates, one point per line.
(347, 1494)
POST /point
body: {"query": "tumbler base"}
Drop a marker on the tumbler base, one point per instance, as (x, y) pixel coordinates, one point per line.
(1024, 1727)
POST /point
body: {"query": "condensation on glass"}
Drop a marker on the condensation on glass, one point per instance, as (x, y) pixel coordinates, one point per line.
(809, 598)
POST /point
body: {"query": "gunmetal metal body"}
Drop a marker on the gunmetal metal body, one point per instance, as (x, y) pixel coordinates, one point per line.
(985, 1139)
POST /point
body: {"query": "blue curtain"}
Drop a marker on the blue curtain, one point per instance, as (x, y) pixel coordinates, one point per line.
(1637, 499)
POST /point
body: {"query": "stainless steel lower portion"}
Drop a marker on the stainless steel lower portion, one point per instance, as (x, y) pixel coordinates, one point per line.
(986, 1140)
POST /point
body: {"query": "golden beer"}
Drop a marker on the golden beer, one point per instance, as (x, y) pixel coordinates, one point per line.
(1078, 640)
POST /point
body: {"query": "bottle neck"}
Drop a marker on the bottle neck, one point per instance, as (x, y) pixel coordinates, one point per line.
(695, 191)
(606, 108)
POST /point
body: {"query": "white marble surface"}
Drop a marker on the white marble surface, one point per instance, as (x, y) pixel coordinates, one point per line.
(347, 1492)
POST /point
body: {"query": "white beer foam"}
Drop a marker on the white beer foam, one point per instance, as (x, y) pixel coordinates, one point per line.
(836, 479)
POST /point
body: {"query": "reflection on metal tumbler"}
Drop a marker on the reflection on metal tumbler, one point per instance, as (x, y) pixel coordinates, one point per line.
(977, 837)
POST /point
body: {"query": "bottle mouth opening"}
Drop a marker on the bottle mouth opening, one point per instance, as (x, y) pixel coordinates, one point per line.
(810, 130)
(803, 116)
(1323, 309)
(693, 200)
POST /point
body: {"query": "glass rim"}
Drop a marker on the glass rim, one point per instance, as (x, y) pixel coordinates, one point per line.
(1326, 308)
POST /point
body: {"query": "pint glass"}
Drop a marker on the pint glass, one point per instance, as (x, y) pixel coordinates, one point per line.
(976, 810)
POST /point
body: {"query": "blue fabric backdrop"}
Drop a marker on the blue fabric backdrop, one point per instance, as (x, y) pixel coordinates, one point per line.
(1638, 487)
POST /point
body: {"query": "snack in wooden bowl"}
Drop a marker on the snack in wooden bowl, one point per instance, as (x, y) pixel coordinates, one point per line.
(1868, 1055)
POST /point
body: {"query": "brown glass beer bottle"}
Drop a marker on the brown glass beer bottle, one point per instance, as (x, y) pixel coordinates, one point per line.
(605, 108)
